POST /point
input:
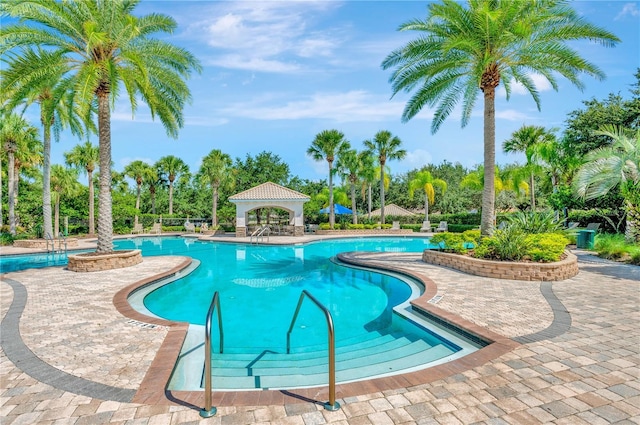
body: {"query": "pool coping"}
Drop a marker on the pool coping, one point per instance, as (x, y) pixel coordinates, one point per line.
(153, 388)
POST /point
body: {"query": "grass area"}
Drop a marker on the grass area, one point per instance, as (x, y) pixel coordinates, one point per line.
(614, 247)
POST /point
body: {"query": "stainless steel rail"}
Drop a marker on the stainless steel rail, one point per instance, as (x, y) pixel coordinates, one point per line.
(207, 411)
(332, 404)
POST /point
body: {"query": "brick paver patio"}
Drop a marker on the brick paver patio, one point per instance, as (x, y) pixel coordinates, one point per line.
(70, 357)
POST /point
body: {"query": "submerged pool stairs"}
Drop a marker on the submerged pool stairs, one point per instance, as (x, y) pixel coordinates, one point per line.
(379, 355)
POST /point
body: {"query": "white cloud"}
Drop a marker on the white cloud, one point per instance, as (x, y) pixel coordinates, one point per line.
(265, 36)
(512, 115)
(341, 107)
(417, 158)
(628, 9)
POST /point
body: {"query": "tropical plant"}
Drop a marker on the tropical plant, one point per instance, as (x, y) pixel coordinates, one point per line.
(501, 181)
(172, 167)
(464, 49)
(424, 181)
(15, 134)
(527, 139)
(35, 76)
(616, 165)
(85, 158)
(326, 146)
(64, 182)
(140, 172)
(535, 222)
(106, 47)
(348, 166)
(386, 147)
(217, 172)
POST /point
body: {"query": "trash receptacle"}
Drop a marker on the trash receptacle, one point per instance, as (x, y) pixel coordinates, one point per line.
(585, 239)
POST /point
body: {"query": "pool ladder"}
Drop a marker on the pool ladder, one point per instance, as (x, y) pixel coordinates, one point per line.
(51, 240)
(259, 233)
(208, 410)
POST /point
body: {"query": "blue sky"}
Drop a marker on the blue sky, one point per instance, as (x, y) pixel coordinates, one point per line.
(276, 73)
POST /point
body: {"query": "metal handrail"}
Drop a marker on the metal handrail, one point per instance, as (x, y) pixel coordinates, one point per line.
(259, 232)
(332, 404)
(208, 410)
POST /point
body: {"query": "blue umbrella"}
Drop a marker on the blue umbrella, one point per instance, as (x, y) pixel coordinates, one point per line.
(338, 209)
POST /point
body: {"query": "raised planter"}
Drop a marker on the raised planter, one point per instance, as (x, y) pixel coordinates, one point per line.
(94, 262)
(42, 243)
(559, 270)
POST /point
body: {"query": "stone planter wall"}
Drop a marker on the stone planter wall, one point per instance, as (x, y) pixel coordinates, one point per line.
(90, 262)
(42, 243)
(348, 232)
(559, 270)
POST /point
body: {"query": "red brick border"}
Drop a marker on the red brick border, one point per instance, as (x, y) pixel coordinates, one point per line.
(559, 270)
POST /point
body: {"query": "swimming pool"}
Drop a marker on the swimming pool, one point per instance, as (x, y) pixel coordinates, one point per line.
(259, 287)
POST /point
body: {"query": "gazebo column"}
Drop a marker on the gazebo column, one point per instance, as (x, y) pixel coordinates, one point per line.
(241, 223)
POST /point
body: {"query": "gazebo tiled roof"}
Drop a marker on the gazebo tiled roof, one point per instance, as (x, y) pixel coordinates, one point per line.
(393, 209)
(269, 191)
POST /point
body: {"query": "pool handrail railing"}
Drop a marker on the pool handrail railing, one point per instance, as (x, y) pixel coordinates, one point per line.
(332, 404)
(207, 411)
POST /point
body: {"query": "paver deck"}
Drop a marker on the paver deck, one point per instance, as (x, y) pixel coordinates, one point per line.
(574, 358)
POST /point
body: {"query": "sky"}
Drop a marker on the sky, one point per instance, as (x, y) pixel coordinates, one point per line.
(276, 73)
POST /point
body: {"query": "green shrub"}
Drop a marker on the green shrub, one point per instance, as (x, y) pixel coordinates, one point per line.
(370, 226)
(610, 246)
(6, 239)
(634, 255)
(546, 247)
(535, 222)
(450, 242)
(414, 227)
(509, 244)
(355, 226)
(460, 228)
(472, 236)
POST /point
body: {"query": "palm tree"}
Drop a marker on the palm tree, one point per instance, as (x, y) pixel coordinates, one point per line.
(171, 166)
(15, 132)
(153, 179)
(528, 139)
(367, 176)
(216, 171)
(326, 146)
(466, 49)
(35, 76)
(106, 47)
(139, 171)
(616, 165)
(426, 182)
(64, 182)
(84, 158)
(502, 181)
(348, 166)
(385, 147)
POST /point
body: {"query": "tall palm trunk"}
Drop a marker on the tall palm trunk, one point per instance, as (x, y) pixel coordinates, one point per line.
(46, 179)
(105, 216)
(632, 231)
(353, 202)
(332, 217)
(214, 208)
(426, 207)
(488, 191)
(171, 194)
(12, 187)
(92, 220)
(382, 191)
(369, 201)
(138, 192)
(56, 218)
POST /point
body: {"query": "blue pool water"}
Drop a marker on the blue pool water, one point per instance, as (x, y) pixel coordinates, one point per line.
(261, 285)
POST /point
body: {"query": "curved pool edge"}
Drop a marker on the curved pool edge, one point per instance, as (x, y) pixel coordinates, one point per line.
(153, 389)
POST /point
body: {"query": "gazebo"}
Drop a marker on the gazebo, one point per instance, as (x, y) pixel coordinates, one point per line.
(268, 195)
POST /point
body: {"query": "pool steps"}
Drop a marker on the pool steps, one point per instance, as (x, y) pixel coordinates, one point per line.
(385, 353)
(285, 371)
